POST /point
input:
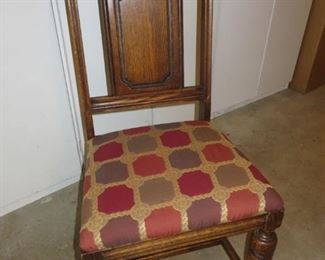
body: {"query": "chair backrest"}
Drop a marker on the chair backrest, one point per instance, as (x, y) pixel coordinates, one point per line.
(143, 53)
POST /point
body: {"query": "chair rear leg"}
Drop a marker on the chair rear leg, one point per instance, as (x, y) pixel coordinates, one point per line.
(261, 243)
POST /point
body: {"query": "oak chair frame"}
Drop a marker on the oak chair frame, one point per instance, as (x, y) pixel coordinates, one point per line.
(261, 239)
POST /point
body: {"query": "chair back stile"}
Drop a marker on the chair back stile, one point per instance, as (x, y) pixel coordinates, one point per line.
(143, 57)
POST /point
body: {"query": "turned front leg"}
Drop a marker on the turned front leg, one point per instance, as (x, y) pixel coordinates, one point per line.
(261, 243)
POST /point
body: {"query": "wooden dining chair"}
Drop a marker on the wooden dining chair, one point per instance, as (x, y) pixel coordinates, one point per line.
(156, 191)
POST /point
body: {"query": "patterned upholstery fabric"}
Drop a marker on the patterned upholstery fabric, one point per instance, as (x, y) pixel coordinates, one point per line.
(150, 182)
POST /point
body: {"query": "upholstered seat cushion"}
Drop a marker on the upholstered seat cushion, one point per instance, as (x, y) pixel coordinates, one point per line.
(151, 182)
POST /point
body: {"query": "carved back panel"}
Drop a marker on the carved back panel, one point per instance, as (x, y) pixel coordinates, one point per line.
(145, 42)
(143, 52)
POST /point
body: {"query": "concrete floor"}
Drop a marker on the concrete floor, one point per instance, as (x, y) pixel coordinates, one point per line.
(284, 135)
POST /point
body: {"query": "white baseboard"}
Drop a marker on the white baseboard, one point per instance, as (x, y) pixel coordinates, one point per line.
(215, 114)
(38, 195)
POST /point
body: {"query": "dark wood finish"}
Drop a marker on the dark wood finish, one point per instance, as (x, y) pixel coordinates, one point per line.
(206, 17)
(261, 243)
(310, 68)
(132, 88)
(80, 68)
(230, 251)
(107, 104)
(103, 12)
(145, 39)
(124, 97)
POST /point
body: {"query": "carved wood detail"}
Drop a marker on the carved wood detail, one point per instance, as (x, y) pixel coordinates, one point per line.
(261, 243)
(107, 104)
(145, 42)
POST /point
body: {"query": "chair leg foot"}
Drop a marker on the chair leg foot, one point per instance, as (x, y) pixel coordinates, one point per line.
(261, 243)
